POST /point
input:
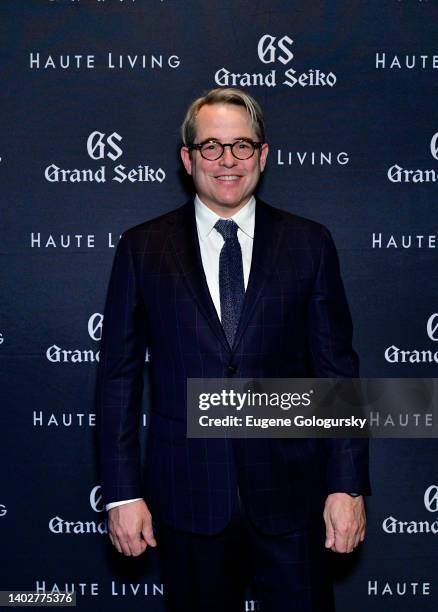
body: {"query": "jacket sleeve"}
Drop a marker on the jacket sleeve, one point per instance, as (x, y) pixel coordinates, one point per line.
(332, 356)
(119, 387)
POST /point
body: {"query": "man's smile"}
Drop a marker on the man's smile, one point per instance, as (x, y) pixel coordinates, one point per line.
(228, 177)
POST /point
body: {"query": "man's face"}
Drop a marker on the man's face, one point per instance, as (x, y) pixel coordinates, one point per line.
(224, 185)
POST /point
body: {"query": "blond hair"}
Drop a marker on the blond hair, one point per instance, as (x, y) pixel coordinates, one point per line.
(223, 95)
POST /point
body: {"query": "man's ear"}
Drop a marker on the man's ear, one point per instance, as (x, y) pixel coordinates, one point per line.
(263, 155)
(186, 159)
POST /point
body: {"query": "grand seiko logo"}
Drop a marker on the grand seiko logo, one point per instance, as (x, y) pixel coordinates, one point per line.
(277, 51)
(99, 147)
(398, 174)
(57, 354)
(393, 354)
(394, 525)
(59, 525)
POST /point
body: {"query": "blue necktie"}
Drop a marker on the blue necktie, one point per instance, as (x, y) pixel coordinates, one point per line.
(231, 283)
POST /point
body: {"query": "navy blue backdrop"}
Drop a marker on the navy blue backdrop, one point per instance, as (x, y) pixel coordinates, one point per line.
(92, 97)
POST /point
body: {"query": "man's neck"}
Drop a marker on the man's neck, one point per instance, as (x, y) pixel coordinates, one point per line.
(225, 212)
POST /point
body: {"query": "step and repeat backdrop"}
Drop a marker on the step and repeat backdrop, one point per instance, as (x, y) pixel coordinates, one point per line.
(92, 96)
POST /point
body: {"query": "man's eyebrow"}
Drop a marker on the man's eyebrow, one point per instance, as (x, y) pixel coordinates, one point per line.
(219, 139)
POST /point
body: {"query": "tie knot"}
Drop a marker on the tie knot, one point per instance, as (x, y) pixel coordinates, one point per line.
(227, 228)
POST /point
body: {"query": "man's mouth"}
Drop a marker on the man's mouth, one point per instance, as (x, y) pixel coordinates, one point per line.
(228, 177)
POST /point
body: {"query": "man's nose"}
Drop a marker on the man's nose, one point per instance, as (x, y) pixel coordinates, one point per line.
(228, 159)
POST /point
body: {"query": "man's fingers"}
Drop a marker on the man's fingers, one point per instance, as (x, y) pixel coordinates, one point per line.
(345, 522)
(345, 542)
(341, 543)
(116, 544)
(148, 534)
(124, 544)
(140, 547)
(130, 545)
(360, 537)
(136, 544)
(130, 528)
(329, 532)
(348, 545)
(358, 534)
(357, 539)
(343, 539)
(352, 539)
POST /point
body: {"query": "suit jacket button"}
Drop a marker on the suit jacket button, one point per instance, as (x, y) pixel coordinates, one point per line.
(231, 369)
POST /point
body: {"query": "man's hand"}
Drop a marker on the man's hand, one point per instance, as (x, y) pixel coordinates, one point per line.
(345, 522)
(130, 528)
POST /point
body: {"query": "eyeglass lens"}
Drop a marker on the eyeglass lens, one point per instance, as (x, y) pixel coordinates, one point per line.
(240, 149)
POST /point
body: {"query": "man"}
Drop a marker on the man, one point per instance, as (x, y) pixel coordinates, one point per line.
(227, 285)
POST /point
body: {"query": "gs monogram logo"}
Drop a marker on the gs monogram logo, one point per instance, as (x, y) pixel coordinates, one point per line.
(431, 498)
(96, 145)
(267, 49)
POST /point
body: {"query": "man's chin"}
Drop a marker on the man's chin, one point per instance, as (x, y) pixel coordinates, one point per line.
(228, 206)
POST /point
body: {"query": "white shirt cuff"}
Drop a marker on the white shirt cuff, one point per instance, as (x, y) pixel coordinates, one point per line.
(121, 503)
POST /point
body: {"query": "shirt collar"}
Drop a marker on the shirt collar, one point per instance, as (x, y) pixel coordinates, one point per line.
(206, 218)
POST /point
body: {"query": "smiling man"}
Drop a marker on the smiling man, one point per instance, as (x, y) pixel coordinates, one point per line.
(231, 157)
(224, 286)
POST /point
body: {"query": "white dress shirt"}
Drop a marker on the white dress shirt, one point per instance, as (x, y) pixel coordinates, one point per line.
(210, 244)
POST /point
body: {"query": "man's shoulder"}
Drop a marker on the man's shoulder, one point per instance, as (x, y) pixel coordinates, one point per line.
(296, 224)
(157, 225)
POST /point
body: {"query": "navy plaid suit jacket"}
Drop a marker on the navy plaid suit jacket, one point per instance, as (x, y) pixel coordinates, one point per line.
(295, 323)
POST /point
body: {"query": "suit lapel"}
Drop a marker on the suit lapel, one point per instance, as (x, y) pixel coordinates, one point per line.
(184, 239)
(185, 244)
(268, 232)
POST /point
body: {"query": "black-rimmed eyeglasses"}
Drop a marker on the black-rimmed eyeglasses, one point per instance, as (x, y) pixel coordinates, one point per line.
(213, 150)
